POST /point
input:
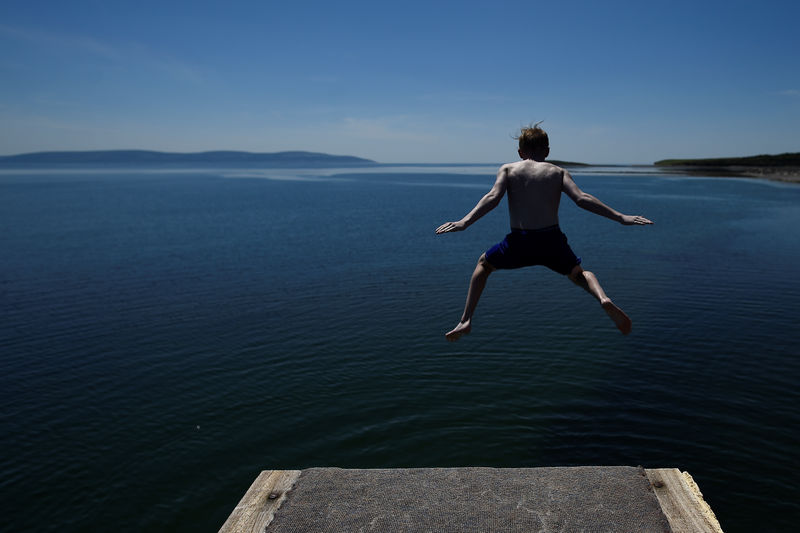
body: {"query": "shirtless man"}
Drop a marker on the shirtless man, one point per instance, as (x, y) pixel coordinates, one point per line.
(534, 192)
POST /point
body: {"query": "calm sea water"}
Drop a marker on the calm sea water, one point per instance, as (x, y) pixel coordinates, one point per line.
(166, 335)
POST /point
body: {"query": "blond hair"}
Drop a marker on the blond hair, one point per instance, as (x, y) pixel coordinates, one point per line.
(533, 139)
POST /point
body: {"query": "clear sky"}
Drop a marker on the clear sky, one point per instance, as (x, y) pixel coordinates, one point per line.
(403, 81)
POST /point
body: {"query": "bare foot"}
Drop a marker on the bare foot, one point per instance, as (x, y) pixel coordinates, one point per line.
(619, 317)
(461, 329)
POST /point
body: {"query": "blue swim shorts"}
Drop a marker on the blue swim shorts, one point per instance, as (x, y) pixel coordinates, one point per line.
(545, 246)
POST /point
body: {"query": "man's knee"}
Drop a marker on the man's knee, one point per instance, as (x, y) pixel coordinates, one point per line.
(485, 264)
(576, 275)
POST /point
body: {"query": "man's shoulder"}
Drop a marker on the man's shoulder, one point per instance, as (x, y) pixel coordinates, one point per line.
(552, 167)
(510, 166)
(531, 167)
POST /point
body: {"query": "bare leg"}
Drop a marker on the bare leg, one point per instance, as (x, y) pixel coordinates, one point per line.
(588, 281)
(476, 285)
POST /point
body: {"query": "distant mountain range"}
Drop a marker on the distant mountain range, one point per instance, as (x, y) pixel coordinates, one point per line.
(142, 157)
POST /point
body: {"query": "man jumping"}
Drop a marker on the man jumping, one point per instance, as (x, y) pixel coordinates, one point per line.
(534, 191)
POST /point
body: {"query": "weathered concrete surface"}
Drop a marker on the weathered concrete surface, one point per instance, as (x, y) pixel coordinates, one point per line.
(473, 499)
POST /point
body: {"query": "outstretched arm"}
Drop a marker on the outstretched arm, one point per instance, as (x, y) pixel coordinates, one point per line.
(486, 204)
(592, 204)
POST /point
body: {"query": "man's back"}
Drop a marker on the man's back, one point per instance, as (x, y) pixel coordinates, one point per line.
(534, 193)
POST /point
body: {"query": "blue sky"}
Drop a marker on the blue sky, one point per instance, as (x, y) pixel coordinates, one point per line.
(614, 82)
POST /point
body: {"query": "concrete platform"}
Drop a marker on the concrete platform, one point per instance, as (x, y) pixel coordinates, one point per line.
(474, 499)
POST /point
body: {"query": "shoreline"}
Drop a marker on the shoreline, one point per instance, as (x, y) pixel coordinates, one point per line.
(784, 174)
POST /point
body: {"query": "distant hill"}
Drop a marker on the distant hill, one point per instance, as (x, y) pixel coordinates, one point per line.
(781, 160)
(567, 163)
(140, 157)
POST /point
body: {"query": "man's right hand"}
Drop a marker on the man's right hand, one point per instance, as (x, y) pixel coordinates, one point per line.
(634, 220)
